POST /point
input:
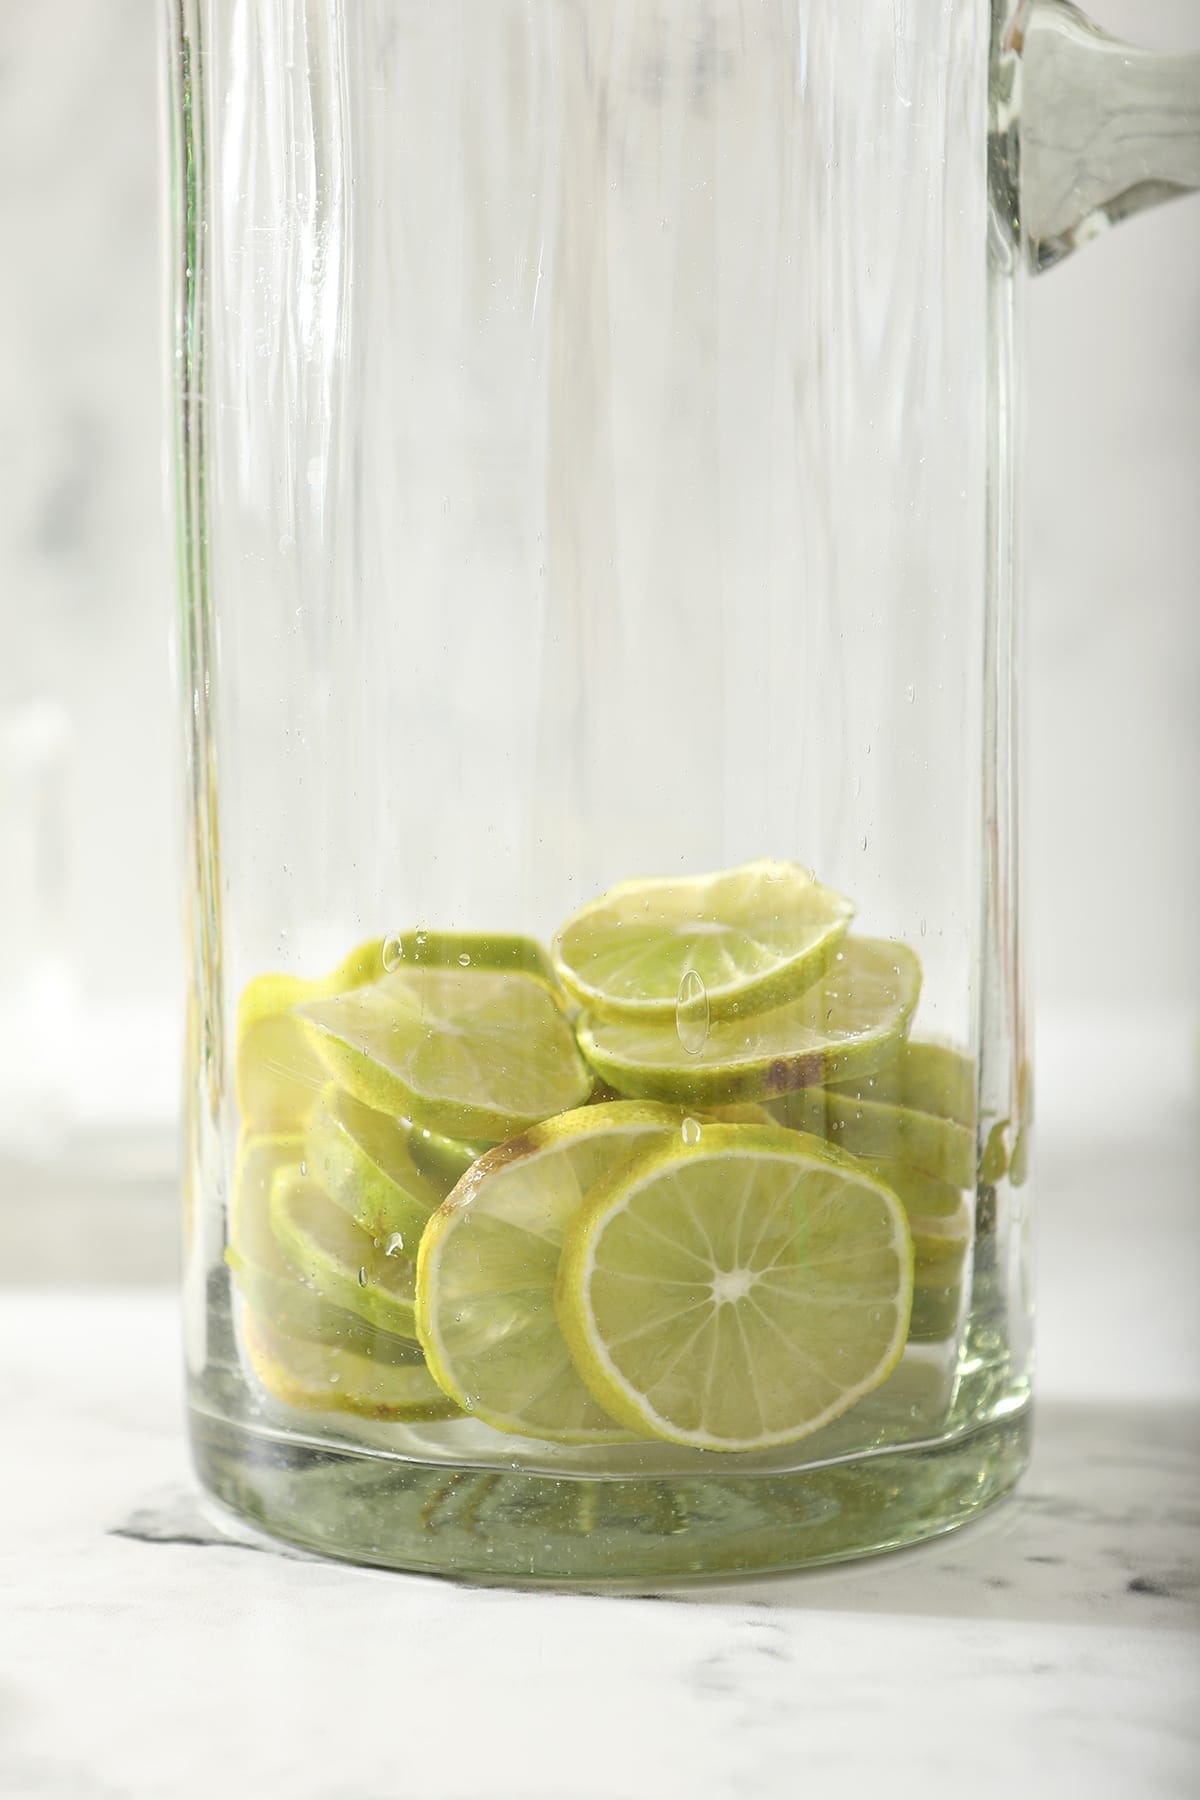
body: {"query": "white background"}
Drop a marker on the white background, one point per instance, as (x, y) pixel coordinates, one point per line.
(87, 577)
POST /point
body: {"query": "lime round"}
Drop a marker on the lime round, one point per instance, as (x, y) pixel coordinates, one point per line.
(738, 1291)
(266, 1279)
(935, 1310)
(502, 952)
(471, 1053)
(939, 1217)
(278, 1075)
(703, 947)
(916, 1108)
(487, 1266)
(330, 1378)
(845, 1024)
(363, 1160)
(342, 1265)
(930, 1077)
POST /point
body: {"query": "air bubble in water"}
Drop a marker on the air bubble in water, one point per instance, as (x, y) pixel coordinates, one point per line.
(691, 1131)
(691, 1013)
(464, 959)
(394, 1244)
(362, 1278)
(393, 953)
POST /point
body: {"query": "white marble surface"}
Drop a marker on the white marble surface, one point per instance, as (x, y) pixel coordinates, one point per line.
(147, 1652)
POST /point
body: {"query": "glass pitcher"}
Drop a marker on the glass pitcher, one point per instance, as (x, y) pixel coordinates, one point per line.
(597, 425)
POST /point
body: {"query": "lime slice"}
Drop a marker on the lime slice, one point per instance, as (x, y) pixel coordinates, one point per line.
(500, 952)
(445, 1160)
(267, 1281)
(993, 1163)
(917, 1108)
(363, 1160)
(487, 1266)
(278, 1074)
(939, 1218)
(741, 1112)
(701, 947)
(846, 1024)
(326, 1378)
(935, 1310)
(1018, 1167)
(736, 1292)
(473, 1054)
(925, 1075)
(341, 1264)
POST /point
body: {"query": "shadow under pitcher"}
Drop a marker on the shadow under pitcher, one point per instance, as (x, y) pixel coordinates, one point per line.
(597, 426)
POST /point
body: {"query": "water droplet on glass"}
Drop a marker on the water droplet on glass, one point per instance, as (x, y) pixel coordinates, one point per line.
(691, 1131)
(924, 926)
(393, 953)
(394, 1244)
(464, 959)
(304, 1168)
(691, 1013)
(362, 1278)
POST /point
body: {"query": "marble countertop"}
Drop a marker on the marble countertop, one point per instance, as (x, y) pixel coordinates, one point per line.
(151, 1651)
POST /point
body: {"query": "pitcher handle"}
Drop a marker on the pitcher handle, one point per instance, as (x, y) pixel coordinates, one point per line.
(1105, 129)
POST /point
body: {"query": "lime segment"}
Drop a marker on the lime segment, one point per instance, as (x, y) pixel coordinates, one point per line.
(342, 1265)
(487, 1267)
(329, 1378)
(363, 1160)
(736, 1292)
(472, 1054)
(736, 942)
(846, 1024)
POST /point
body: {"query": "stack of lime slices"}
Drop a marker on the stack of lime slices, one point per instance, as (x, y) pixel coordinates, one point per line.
(685, 1177)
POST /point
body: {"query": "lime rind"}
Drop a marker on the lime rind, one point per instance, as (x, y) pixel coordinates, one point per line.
(736, 1292)
(747, 939)
(845, 1025)
(472, 1054)
(487, 1267)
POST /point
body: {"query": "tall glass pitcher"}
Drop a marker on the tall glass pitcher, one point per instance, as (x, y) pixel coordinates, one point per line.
(609, 1105)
